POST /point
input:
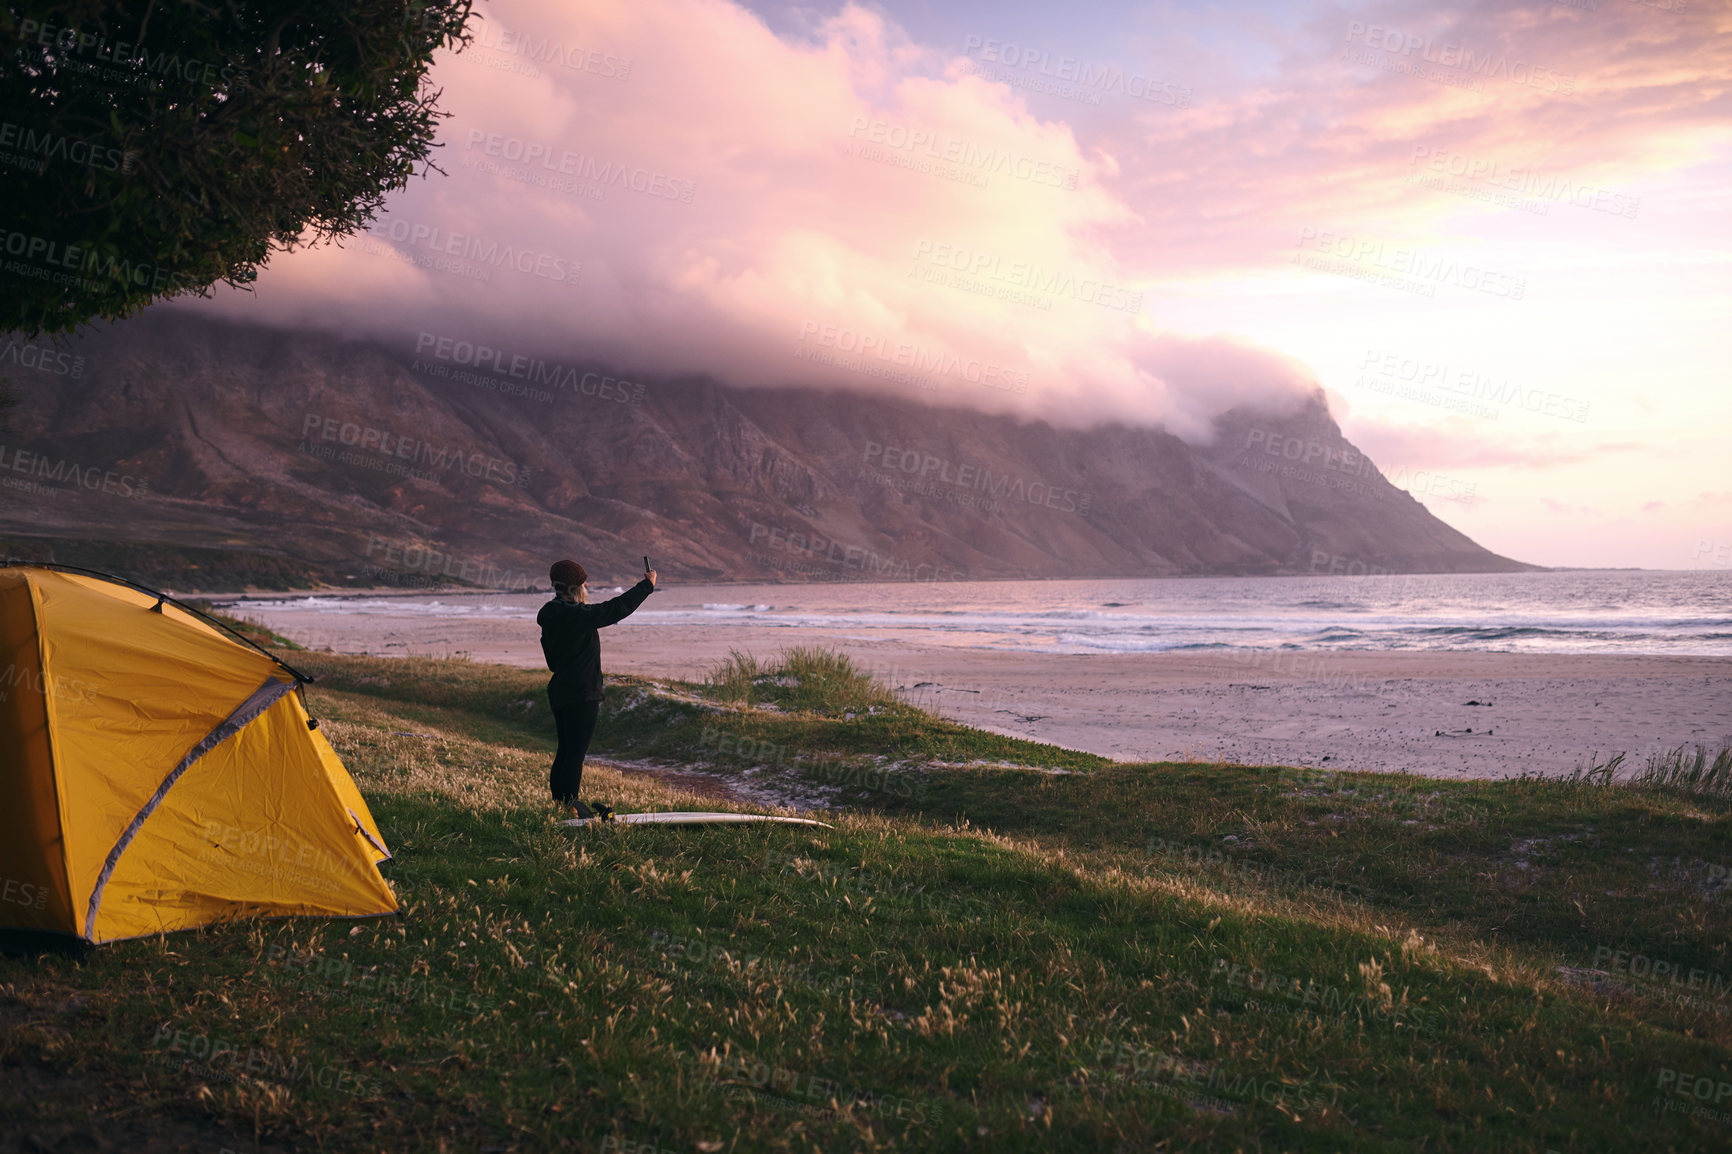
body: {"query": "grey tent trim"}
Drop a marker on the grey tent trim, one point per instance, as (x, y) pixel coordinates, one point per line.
(371, 840)
(262, 699)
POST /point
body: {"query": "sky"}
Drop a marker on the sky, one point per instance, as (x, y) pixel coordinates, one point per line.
(1497, 236)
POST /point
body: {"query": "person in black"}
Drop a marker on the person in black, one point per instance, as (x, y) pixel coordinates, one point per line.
(572, 646)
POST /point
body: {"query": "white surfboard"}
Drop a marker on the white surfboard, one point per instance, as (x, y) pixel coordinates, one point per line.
(695, 819)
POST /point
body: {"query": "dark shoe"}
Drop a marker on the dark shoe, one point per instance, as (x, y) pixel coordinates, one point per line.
(604, 811)
(578, 809)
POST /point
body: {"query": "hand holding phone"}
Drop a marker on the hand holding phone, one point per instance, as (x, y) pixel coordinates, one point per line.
(649, 574)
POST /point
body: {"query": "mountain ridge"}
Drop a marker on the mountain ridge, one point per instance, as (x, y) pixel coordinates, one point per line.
(360, 457)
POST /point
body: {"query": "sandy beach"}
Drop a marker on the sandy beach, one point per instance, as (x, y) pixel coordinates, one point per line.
(1446, 714)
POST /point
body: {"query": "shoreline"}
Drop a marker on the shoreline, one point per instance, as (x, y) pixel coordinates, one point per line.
(1437, 713)
(773, 582)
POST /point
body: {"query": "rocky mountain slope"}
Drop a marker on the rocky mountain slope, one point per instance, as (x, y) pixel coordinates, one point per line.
(384, 462)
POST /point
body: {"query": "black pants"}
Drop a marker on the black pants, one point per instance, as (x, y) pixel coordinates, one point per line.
(576, 725)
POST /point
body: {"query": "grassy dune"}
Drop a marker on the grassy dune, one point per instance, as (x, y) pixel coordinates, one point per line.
(1001, 946)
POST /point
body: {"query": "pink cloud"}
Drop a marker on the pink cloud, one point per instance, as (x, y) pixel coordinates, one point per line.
(1467, 442)
(856, 211)
(844, 215)
(1331, 143)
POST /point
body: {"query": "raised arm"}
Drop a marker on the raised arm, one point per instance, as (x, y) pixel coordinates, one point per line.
(618, 608)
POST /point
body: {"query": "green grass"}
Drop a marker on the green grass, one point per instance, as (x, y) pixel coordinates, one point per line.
(804, 680)
(1690, 772)
(1693, 772)
(1029, 948)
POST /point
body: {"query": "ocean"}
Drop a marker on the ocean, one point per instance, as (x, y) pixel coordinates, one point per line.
(1676, 613)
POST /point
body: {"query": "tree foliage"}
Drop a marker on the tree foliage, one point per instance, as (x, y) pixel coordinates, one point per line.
(150, 149)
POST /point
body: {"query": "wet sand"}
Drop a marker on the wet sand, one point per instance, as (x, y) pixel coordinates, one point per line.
(1445, 714)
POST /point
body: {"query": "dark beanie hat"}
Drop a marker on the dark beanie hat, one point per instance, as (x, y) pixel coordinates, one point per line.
(568, 573)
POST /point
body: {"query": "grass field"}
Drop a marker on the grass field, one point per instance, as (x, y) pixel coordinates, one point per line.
(1000, 946)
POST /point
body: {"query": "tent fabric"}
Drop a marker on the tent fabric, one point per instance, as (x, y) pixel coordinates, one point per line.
(156, 774)
(260, 700)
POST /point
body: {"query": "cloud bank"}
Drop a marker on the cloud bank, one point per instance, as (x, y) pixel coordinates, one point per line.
(672, 187)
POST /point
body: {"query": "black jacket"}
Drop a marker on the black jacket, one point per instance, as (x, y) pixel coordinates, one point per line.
(572, 646)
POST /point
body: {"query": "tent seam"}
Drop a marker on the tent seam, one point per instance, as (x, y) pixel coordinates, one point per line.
(244, 714)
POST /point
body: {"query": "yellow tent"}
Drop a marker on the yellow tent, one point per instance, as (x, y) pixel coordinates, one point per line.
(157, 774)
